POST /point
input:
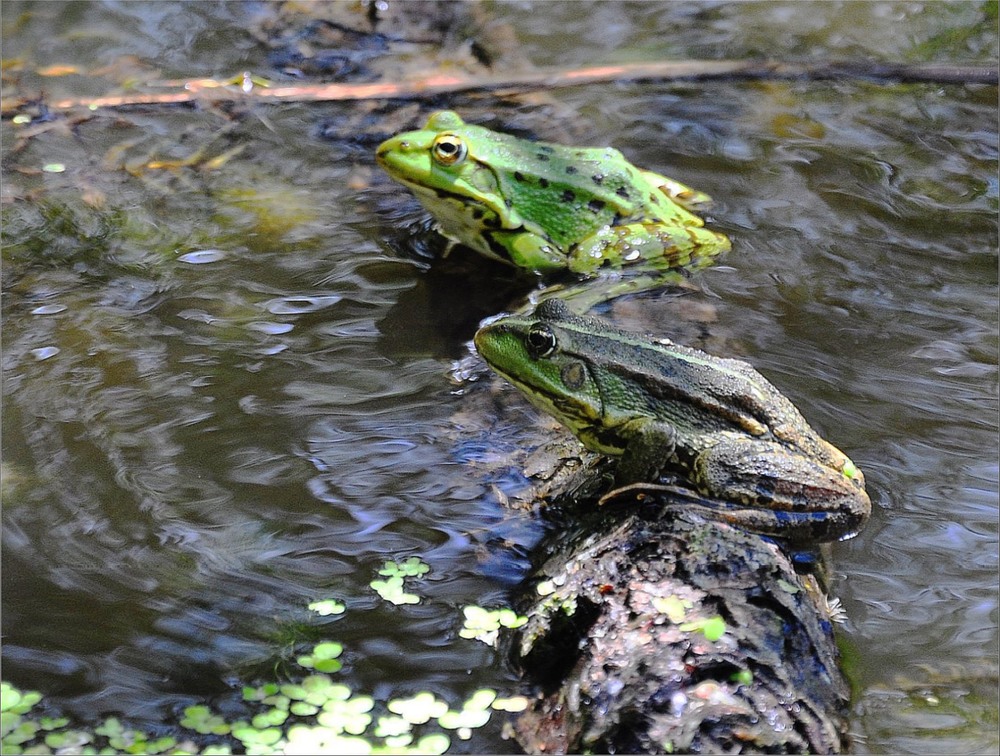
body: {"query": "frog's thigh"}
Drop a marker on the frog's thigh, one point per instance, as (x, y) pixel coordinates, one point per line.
(659, 245)
(766, 474)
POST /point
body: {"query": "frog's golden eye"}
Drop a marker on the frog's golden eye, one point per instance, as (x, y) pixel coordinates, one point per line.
(449, 149)
(541, 341)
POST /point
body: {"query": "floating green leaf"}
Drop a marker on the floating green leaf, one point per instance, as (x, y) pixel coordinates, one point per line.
(20, 732)
(484, 624)
(269, 718)
(303, 709)
(350, 716)
(467, 718)
(390, 727)
(412, 567)
(202, 720)
(420, 709)
(323, 657)
(510, 619)
(8, 721)
(278, 702)
(394, 742)
(69, 739)
(251, 736)
(327, 607)
(9, 696)
(434, 744)
(392, 590)
(50, 723)
(512, 704)
(16, 701)
(304, 740)
(480, 700)
(260, 693)
(111, 728)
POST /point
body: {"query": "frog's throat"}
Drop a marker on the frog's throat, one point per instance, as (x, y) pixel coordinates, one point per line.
(458, 202)
(588, 427)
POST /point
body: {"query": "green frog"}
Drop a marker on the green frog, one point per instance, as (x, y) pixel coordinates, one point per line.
(547, 207)
(666, 408)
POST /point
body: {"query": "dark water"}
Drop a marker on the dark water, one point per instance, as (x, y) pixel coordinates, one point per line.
(226, 394)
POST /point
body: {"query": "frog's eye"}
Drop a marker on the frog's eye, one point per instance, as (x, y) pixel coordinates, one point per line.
(449, 149)
(541, 341)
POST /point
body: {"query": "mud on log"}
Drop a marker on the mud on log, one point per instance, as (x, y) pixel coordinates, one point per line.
(665, 633)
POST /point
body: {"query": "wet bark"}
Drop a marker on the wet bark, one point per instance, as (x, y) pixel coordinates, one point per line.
(654, 631)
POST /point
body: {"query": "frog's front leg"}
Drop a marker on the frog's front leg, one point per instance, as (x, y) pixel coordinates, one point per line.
(526, 249)
(783, 493)
(650, 445)
(657, 245)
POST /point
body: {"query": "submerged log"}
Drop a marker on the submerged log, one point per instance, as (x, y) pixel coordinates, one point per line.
(652, 630)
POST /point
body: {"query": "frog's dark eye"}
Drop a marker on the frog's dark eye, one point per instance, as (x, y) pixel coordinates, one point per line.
(449, 149)
(541, 341)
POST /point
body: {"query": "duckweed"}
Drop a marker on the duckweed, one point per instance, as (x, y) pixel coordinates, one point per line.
(391, 589)
(203, 721)
(327, 607)
(484, 624)
(713, 628)
(412, 567)
(323, 657)
(314, 715)
(340, 726)
(420, 709)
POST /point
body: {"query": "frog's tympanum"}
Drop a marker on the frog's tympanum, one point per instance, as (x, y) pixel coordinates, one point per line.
(546, 207)
(666, 408)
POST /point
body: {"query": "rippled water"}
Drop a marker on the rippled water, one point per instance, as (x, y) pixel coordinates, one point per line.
(226, 391)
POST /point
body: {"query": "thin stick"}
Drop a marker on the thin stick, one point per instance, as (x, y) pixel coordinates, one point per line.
(201, 90)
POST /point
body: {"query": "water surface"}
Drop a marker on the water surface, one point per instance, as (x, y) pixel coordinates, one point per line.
(226, 390)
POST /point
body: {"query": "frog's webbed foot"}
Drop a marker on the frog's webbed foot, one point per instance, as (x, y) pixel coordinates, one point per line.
(690, 199)
(583, 296)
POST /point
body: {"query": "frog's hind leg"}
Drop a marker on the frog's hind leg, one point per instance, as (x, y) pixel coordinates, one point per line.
(647, 245)
(781, 490)
(812, 527)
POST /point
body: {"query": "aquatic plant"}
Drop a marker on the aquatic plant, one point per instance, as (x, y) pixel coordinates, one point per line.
(391, 589)
(313, 715)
